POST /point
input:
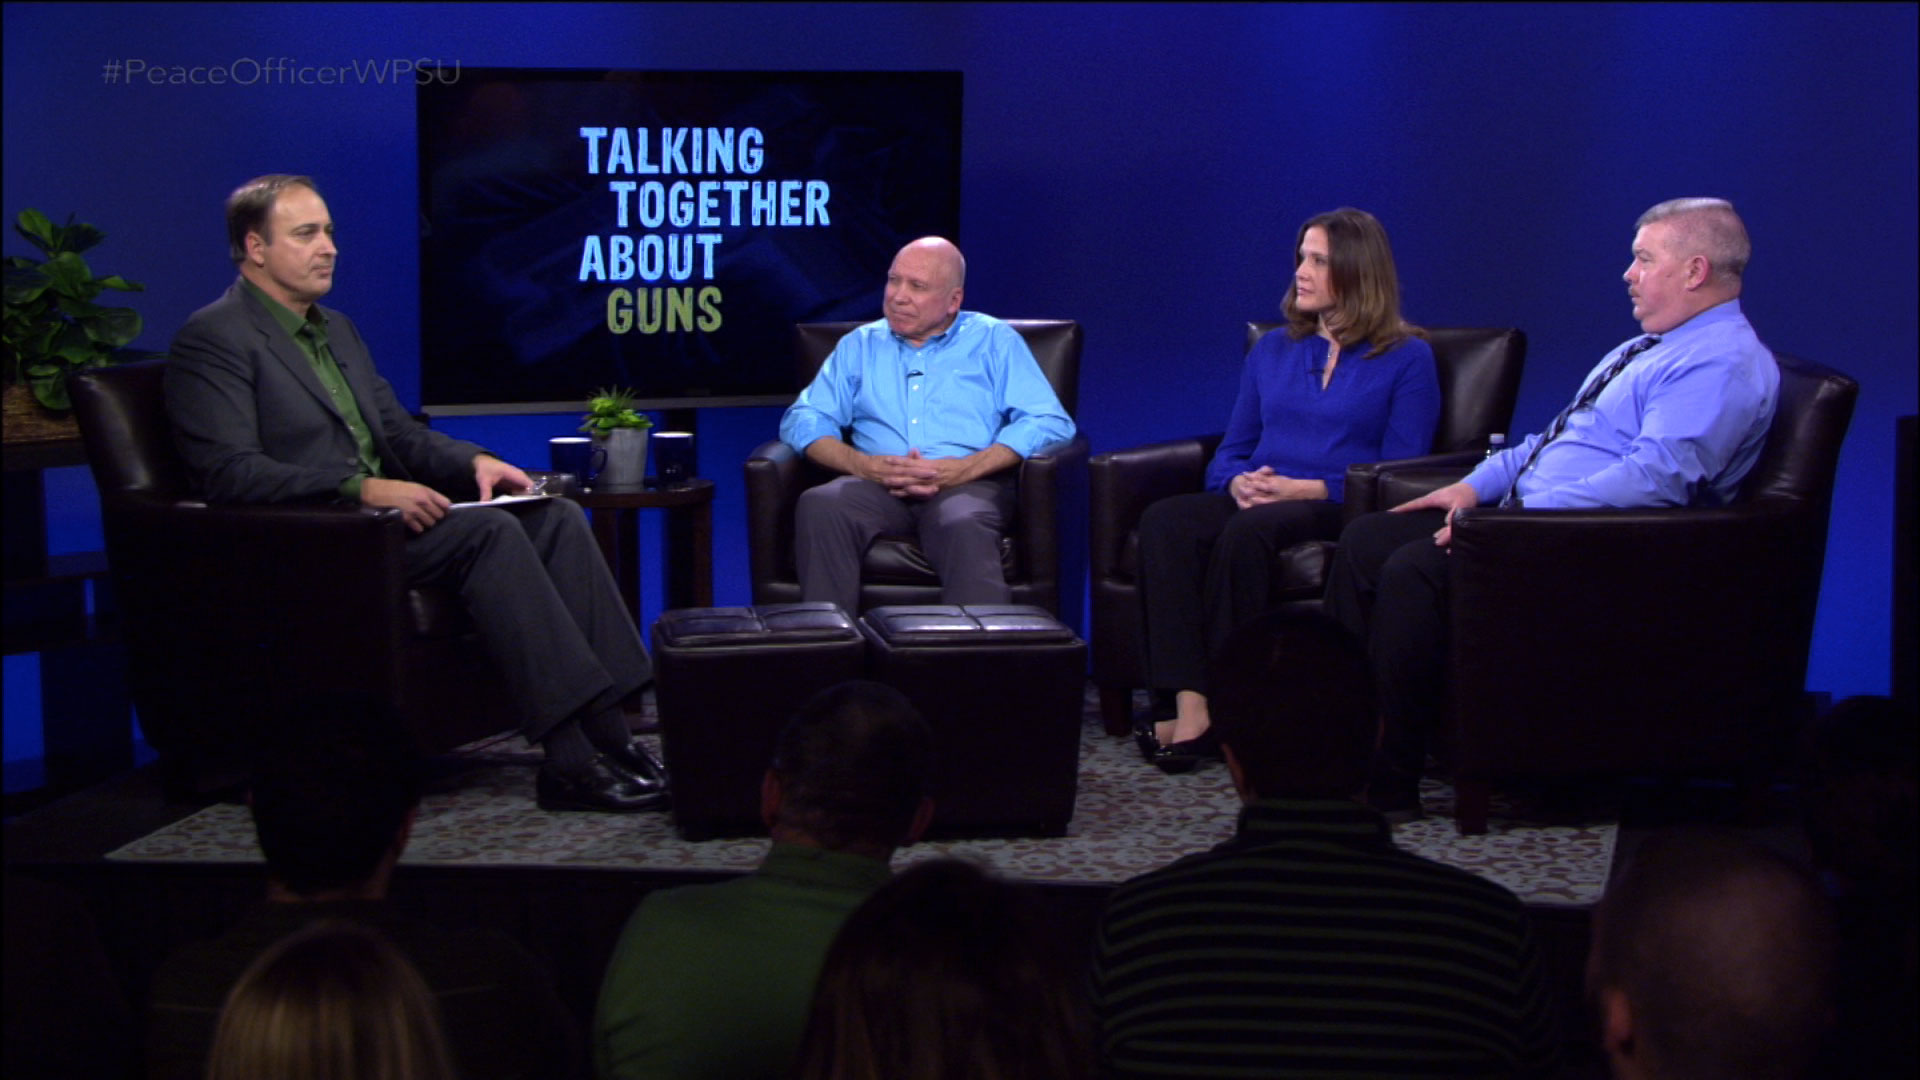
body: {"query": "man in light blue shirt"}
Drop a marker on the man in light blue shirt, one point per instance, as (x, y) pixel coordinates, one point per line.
(1675, 417)
(940, 405)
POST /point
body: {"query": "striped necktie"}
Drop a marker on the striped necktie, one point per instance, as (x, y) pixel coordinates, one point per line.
(1586, 398)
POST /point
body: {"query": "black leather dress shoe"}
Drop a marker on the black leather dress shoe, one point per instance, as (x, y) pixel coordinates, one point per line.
(635, 758)
(600, 784)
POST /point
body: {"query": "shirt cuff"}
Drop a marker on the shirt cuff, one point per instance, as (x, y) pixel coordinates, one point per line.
(804, 435)
(350, 487)
(1479, 482)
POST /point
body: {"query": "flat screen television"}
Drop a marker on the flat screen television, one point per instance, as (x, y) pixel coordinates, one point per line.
(663, 230)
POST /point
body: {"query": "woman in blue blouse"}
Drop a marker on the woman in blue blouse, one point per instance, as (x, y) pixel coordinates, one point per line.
(1348, 380)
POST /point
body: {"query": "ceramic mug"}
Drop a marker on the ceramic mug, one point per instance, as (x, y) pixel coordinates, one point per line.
(577, 455)
(673, 457)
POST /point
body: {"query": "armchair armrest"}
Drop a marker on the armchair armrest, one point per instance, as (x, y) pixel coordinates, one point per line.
(1121, 484)
(1413, 477)
(1512, 558)
(291, 572)
(1641, 595)
(1052, 494)
(775, 477)
(232, 608)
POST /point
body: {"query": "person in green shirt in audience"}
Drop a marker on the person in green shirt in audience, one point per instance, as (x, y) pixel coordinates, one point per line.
(714, 981)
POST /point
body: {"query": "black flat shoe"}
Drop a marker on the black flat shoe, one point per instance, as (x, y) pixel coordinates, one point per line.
(1183, 756)
(601, 784)
(1146, 739)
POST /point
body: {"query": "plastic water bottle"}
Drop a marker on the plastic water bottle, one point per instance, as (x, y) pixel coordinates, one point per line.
(1496, 442)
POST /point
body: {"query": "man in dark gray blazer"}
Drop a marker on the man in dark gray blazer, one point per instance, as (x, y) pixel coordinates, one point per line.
(274, 398)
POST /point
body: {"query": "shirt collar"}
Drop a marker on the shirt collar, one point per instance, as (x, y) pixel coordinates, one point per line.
(818, 866)
(943, 337)
(1337, 820)
(1718, 314)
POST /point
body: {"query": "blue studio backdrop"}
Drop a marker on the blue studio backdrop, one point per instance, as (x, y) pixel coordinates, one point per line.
(1138, 167)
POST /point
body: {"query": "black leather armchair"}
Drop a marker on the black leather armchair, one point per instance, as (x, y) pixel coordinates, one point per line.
(1655, 641)
(232, 610)
(1479, 371)
(1042, 553)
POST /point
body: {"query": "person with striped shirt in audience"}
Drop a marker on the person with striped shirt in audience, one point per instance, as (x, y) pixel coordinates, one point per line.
(1309, 945)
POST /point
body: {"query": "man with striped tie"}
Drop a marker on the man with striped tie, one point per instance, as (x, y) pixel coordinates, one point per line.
(1673, 417)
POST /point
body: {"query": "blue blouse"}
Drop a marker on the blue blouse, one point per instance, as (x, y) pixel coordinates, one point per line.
(1375, 408)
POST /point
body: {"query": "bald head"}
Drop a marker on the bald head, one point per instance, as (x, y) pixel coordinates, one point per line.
(924, 288)
(939, 252)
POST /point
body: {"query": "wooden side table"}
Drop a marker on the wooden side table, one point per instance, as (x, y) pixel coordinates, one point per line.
(689, 546)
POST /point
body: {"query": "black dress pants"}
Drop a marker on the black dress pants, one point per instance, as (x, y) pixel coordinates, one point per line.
(1390, 585)
(1206, 567)
(545, 604)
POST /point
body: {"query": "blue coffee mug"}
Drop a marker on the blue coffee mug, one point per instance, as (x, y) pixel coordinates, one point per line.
(673, 457)
(577, 455)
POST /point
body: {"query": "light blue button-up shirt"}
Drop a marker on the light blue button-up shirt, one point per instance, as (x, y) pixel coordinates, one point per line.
(1679, 426)
(972, 386)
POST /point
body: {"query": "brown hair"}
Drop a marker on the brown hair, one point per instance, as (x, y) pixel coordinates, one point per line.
(1366, 290)
(945, 973)
(335, 1001)
(249, 205)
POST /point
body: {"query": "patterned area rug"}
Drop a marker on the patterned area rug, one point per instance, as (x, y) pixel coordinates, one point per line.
(1128, 818)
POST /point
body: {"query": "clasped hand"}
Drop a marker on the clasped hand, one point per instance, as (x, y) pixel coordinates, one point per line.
(1263, 485)
(913, 476)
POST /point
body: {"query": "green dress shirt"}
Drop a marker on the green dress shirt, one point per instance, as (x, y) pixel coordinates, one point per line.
(716, 980)
(310, 334)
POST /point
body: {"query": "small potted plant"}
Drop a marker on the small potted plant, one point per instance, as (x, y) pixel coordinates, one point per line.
(621, 430)
(53, 326)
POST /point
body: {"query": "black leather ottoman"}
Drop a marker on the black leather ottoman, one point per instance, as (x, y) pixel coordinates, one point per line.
(727, 680)
(1001, 686)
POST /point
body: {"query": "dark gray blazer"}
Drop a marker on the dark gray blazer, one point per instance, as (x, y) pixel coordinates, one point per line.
(255, 424)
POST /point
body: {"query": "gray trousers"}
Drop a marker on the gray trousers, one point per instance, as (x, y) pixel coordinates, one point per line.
(545, 603)
(959, 530)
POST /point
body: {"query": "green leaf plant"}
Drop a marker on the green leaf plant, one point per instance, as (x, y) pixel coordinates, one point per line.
(611, 407)
(53, 326)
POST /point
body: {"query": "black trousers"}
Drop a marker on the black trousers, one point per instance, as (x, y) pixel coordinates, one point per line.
(545, 604)
(1206, 566)
(1390, 585)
